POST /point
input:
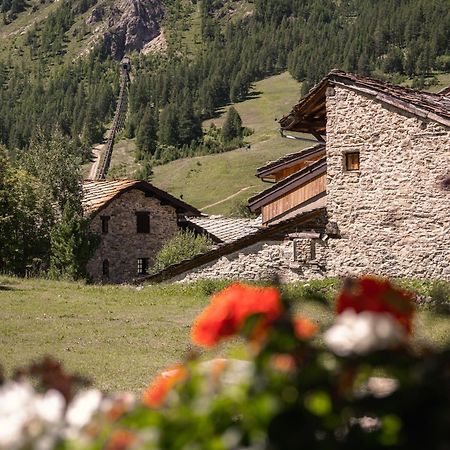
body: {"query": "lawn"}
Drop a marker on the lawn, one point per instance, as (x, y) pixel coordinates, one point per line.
(121, 336)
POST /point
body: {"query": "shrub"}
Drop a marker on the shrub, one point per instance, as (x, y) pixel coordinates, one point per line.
(184, 245)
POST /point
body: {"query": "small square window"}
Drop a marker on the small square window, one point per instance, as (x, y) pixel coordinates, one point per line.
(143, 222)
(142, 266)
(105, 224)
(352, 161)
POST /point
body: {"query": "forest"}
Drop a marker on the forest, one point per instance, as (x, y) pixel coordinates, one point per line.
(174, 92)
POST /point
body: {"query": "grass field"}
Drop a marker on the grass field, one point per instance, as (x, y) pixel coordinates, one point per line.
(121, 336)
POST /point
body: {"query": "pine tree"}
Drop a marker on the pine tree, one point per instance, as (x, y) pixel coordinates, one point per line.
(146, 138)
(168, 126)
(232, 127)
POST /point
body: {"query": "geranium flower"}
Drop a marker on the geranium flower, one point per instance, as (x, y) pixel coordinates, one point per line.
(121, 440)
(378, 296)
(230, 308)
(304, 328)
(360, 333)
(155, 395)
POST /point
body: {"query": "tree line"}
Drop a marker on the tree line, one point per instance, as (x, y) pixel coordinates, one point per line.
(173, 93)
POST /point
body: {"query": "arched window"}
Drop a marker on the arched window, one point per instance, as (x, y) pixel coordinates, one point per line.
(105, 268)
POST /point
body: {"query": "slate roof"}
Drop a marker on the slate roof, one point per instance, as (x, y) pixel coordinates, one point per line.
(310, 112)
(289, 160)
(97, 194)
(226, 229)
(287, 184)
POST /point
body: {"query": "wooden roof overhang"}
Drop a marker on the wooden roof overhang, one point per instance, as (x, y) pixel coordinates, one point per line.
(303, 221)
(290, 160)
(290, 183)
(309, 115)
(98, 194)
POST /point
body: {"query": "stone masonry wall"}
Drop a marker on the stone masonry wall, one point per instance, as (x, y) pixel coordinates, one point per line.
(122, 245)
(264, 261)
(394, 214)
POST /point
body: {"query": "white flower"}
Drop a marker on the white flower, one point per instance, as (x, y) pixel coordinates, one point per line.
(50, 407)
(362, 333)
(16, 410)
(83, 407)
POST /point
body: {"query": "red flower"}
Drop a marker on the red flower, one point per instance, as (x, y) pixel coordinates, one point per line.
(229, 309)
(156, 393)
(121, 440)
(376, 295)
(304, 328)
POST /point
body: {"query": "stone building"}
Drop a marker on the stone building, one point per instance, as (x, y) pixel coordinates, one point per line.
(387, 177)
(373, 196)
(133, 219)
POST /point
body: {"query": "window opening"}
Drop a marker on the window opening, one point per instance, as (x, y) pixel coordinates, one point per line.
(105, 268)
(143, 222)
(105, 224)
(142, 266)
(352, 161)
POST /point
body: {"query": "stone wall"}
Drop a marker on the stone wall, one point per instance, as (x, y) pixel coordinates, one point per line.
(264, 261)
(122, 245)
(394, 214)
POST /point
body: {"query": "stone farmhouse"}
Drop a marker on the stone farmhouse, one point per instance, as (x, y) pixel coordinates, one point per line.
(373, 196)
(133, 219)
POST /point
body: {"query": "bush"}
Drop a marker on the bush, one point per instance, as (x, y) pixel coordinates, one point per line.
(184, 245)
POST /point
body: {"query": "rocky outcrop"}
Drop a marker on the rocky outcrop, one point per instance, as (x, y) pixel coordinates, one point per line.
(126, 25)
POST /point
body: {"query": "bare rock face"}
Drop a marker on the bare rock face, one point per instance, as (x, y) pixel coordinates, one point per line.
(131, 24)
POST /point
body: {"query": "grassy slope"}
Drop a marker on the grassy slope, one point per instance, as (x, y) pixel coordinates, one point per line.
(207, 179)
(121, 336)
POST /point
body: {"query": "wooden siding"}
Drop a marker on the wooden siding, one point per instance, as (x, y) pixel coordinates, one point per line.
(294, 198)
(282, 174)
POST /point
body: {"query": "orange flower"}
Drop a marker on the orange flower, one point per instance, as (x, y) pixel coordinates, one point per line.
(304, 328)
(228, 310)
(156, 393)
(283, 362)
(121, 440)
(376, 295)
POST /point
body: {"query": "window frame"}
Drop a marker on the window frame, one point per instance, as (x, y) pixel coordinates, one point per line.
(142, 266)
(348, 163)
(141, 227)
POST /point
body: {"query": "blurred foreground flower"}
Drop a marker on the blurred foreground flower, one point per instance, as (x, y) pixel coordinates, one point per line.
(361, 333)
(378, 296)
(304, 328)
(373, 315)
(229, 309)
(156, 393)
(27, 416)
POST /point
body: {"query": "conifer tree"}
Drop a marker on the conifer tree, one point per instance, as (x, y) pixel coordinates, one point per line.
(168, 126)
(146, 138)
(232, 127)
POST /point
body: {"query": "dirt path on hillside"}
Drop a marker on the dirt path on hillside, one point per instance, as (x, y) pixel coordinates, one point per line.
(96, 152)
(228, 198)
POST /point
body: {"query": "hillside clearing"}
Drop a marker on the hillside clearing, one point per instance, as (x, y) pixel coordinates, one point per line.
(121, 336)
(205, 180)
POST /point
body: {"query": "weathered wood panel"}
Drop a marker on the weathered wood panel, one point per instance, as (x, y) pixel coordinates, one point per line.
(283, 173)
(294, 198)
